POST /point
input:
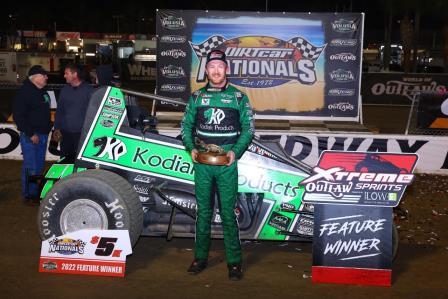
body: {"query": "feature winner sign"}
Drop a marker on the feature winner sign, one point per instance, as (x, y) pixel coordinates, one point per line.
(291, 65)
(353, 194)
(86, 252)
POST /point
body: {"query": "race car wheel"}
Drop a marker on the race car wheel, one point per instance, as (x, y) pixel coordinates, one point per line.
(92, 199)
(395, 240)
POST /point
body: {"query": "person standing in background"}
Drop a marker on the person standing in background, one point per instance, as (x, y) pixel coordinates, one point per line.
(31, 113)
(72, 106)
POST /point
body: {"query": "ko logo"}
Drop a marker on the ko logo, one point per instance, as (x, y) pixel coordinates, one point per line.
(214, 116)
(113, 147)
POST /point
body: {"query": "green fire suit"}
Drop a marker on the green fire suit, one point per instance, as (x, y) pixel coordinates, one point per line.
(221, 116)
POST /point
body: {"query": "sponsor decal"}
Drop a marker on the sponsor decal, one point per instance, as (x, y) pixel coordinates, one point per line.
(113, 147)
(110, 115)
(66, 246)
(143, 179)
(261, 151)
(205, 101)
(341, 76)
(214, 116)
(343, 106)
(343, 42)
(408, 87)
(359, 178)
(341, 92)
(284, 206)
(173, 88)
(184, 203)
(173, 23)
(173, 39)
(50, 266)
(175, 53)
(305, 225)
(114, 110)
(267, 62)
(107, 123)
(141, 189)
(172, 72)
(344, 57)
(114, 101)
(343, 26)
(174, 163)
(260, 182)
(143, 198)
(279, 221)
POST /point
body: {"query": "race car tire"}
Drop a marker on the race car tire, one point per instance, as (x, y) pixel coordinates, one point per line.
(91, 199)
(395, 240)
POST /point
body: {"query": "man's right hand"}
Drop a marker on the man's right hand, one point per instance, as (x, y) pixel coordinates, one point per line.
(194, 154)
(57, 135)
(35, 139)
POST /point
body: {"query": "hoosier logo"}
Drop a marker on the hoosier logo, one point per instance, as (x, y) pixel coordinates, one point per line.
(112, 147)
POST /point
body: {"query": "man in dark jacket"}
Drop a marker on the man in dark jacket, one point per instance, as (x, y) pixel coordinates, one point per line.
(72, 106)
(31, 113)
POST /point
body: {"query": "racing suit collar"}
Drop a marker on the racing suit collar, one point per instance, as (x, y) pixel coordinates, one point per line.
(210, 88)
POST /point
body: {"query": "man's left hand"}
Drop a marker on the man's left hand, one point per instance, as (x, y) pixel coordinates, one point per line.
(231, 156)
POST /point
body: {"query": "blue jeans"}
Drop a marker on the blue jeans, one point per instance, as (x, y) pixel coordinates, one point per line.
(33, 162)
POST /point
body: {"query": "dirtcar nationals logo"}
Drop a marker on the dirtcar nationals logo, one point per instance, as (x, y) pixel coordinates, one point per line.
(262, 61)
(371, 179)
(66, 246)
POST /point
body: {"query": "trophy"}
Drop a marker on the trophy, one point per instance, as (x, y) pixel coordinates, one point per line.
(211, 154)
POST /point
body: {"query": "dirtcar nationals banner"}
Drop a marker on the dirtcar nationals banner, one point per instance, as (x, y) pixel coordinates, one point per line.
(86, 252)
(291, 65)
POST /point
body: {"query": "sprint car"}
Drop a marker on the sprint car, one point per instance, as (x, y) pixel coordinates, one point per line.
(128, 176)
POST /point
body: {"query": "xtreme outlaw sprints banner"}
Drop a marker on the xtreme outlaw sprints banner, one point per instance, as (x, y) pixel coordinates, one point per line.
(291, 65)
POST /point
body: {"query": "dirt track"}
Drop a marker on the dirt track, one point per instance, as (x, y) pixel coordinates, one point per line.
(157, 269)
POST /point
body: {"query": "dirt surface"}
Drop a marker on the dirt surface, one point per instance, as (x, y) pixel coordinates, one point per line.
(157, 269)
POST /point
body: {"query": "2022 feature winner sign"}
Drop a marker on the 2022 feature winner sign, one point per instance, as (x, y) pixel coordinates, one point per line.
(87, 252)
(353, 194)
(291, 65)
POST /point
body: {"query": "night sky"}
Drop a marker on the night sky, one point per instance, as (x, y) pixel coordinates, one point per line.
(138, 16)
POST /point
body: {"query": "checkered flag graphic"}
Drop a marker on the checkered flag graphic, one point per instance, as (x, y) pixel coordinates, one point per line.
(306, 48)
(211, 43)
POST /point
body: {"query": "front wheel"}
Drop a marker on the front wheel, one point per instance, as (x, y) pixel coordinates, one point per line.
(92, 199)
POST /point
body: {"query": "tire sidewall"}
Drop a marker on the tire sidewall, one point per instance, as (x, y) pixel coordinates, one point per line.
(66, 191)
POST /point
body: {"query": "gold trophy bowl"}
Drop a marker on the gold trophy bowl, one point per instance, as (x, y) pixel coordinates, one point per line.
(212, 155)
(212, 158)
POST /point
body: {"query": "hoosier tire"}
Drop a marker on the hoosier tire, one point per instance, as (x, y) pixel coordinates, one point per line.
(92, 199)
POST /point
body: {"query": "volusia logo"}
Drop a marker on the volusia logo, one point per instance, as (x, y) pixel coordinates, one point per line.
(171, 22)
(262, 61)
(341, 75)
(66, 246)
(175, 53)
(172, 71)
(112, 147)
(214, 116)
(343, 26)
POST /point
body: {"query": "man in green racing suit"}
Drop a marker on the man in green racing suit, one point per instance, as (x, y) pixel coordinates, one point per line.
(217, 114)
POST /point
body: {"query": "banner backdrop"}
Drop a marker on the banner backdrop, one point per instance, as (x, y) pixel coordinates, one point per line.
(399, 88)
(291, 65)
